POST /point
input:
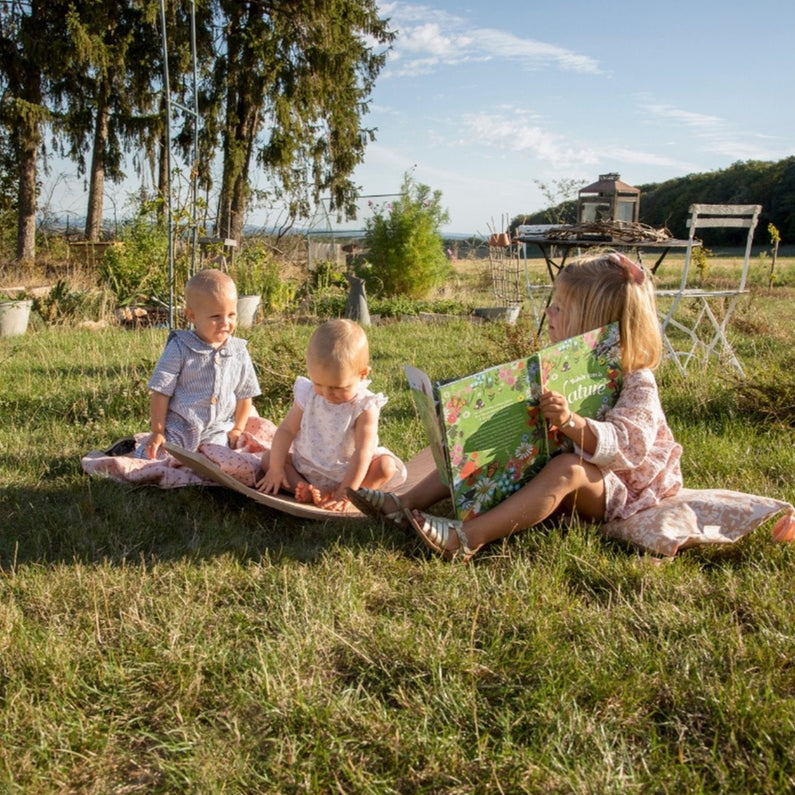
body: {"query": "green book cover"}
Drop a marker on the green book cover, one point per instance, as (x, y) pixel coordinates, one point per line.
(486, 430)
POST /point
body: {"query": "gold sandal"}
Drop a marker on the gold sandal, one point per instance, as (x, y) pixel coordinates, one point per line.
(437, 531)
(371, 503)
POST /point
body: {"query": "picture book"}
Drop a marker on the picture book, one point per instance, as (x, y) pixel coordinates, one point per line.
(486, 431)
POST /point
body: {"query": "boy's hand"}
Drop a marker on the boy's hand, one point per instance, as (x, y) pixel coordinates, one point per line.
(153, 444)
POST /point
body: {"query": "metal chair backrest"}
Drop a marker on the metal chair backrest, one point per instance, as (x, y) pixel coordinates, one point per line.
(704, 216)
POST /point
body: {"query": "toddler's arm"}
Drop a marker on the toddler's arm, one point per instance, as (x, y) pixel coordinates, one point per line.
(274, 460)
(158, 408)
(242, 410)
(365, 434)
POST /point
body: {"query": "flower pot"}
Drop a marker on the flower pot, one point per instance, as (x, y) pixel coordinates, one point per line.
(14, 316)
(247, 306)
(500, 239)
(508, 314)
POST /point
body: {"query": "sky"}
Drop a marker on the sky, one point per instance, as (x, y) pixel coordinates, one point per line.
(485, 101)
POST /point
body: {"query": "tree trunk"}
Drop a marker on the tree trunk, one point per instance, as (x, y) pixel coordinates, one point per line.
(238, 147)
(27, 140)
(28, 153)
(96, 187)
(163, 161)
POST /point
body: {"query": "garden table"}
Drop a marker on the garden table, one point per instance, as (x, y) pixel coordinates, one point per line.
(550, 246)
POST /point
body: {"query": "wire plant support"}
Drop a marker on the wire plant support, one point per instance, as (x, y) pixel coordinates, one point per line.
(190, 111)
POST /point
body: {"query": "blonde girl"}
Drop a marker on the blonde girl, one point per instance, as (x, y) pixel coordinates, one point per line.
(620, 465)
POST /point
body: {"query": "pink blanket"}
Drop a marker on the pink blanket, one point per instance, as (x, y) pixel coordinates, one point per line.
(168, 472)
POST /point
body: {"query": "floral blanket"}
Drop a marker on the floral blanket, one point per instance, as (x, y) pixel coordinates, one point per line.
(691, 518)
(168, 472)
(702, 516)
(218, 465)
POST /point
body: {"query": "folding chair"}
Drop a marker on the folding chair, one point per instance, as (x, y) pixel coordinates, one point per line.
(692, 307)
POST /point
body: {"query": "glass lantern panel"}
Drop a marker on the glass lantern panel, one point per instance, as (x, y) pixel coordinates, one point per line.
(625, 211)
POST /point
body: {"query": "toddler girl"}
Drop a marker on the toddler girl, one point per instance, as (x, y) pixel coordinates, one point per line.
(328, 442)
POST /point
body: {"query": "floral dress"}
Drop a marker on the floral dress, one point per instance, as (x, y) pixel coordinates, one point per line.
(324, 444)
(635, 449)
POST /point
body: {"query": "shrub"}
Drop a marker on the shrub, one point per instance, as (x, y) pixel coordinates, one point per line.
(137, 271)
(404, 244)
(256, 273)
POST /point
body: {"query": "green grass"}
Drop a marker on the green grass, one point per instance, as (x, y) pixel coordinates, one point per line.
(191, 641)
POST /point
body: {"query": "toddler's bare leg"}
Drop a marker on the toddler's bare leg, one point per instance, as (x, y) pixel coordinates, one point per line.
(381, 470)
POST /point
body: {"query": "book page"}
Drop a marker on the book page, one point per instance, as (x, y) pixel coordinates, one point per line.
(587, 370)
(493, 432)
(422, 393)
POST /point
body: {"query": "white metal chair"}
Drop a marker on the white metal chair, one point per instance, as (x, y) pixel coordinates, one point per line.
(701, 315)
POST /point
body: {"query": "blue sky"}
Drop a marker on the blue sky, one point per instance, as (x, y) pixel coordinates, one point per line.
(481, 100)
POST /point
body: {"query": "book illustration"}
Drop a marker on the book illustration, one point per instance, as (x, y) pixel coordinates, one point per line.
(486, 429)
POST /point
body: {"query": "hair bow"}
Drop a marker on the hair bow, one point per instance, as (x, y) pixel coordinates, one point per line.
(634, 270)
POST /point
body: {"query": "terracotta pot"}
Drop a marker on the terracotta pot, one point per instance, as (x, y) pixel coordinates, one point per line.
(501, 239)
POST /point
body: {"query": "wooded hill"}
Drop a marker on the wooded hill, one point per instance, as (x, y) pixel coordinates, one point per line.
(666, 204)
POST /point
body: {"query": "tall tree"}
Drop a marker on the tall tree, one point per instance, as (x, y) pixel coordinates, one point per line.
(26, 56)
(106, 97)
(288, 91)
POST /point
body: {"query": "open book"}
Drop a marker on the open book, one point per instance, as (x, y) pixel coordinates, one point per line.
(486, 431)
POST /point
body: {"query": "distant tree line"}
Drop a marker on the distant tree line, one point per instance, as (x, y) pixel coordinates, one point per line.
(665, 204)
(281, 84)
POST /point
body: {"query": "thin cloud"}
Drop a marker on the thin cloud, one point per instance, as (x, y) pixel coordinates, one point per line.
(698, 121)
(430, 38)
(515, 135)
(717, 135)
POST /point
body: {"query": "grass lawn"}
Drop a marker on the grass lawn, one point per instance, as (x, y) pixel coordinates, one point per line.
(189, 641)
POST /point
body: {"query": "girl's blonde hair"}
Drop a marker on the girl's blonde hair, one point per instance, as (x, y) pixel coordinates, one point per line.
(339, 343)
(608, 287)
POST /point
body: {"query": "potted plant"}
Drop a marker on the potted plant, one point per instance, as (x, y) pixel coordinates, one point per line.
(253, 274)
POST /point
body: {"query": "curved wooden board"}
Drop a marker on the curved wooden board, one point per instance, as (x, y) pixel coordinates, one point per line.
(417, 468)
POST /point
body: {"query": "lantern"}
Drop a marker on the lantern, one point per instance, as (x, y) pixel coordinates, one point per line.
(609, 199)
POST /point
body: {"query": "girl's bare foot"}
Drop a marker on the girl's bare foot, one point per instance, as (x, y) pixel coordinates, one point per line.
(304, 492)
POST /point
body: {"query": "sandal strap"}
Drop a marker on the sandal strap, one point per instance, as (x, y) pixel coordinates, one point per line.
(378, 498)
(463, 540)
(436, 531)
(371, 501)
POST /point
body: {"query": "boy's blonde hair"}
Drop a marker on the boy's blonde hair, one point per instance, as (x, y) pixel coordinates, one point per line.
(339, 343)
(608, 287)
(209, 282)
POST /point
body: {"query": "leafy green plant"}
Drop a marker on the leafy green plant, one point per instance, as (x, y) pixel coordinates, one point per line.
(64, 303)
(137, 270)
(404, 244)
(256, 273)
(700, 256)
(775, 242)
